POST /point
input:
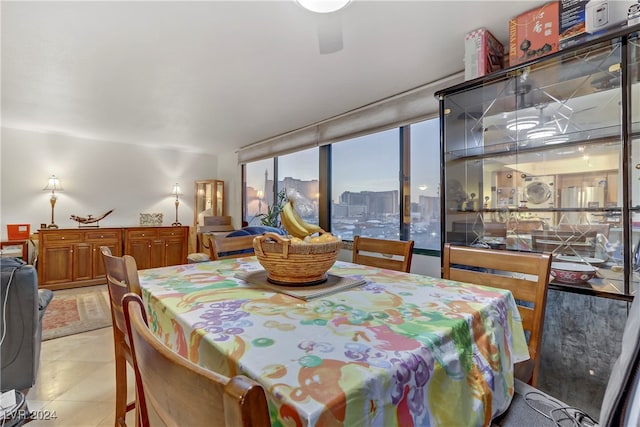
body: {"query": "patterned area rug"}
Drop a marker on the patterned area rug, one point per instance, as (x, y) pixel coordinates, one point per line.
(76, 310)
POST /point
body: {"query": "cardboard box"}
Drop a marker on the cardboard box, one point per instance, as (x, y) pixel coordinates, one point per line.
(572, 22)
(534, 34)
(585, 20)
(18, 231)
(606, 14)
(483, 54)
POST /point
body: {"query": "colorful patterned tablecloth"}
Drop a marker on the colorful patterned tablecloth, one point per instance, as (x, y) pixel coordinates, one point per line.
(400, 350)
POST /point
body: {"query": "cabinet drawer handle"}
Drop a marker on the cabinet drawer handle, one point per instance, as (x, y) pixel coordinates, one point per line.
(62, 238)
(101, 236)
(142, 234)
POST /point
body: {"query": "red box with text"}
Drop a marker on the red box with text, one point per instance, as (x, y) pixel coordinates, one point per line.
(534, 34)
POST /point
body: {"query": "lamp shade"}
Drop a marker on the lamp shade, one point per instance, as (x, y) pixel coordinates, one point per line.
(323, 6)
(175, 191)
(53, 184)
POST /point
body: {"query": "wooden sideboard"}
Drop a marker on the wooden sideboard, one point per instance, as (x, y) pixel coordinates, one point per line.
(156, 246)
(69, 258)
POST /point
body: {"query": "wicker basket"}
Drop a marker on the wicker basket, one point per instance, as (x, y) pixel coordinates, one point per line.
(300, 264)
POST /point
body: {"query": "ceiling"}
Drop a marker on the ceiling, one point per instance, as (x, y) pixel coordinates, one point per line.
(207, 76)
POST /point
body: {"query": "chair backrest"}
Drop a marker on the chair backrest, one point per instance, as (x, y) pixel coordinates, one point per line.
(620, 405)
(230, 247)
(389, 254)
(506, 270)
(122, 277)
(173, 391)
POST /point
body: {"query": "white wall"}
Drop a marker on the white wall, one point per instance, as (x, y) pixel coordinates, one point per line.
(97, 176)
(131, 179)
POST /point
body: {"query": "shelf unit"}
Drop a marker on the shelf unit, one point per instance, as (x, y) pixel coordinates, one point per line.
(550, 145)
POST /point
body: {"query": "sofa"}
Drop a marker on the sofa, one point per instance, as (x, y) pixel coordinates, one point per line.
(21, 324)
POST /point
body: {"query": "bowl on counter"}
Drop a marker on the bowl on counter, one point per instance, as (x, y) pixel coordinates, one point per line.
(571, 272)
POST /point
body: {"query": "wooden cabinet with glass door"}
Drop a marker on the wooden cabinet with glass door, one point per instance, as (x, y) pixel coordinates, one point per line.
(209, 201)
(544, 157)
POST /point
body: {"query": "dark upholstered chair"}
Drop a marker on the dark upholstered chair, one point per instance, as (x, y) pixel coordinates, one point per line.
(21, 335)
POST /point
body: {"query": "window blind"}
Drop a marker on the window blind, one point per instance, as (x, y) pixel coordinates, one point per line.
(398, 110)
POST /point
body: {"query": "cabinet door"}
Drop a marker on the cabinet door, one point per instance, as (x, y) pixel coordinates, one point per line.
(157, 253)
(140, 249)
(56, 264)
(98, 263)
(174, 252)
(82, 261)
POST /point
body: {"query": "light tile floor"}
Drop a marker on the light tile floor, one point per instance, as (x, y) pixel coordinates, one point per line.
(76, 382)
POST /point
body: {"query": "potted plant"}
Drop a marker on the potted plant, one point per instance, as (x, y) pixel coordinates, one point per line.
(272, 217)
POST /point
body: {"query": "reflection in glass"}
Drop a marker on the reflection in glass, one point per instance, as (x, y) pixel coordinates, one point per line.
(425, 185)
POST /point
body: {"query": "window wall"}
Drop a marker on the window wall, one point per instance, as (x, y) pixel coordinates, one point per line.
(298, 174)
(368, 177)
(425, 184)
(365, 185)
(258, 191)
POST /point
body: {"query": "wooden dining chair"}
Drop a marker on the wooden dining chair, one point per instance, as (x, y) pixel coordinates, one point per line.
(174, 391)
(389, 254)
(122, 277)
(526, 275)
(230, 247)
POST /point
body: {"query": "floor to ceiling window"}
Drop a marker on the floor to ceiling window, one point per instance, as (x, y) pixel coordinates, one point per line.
(366, 186)
(298, 175)
(425, 184)
(258, 190)
(365, 176)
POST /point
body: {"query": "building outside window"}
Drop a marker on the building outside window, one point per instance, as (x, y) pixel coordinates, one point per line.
(258, 190)
(425, 184)
(298, 174)
(366, 186)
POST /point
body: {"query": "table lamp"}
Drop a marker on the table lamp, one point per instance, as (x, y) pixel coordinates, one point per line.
(53, 185)
(176, 192)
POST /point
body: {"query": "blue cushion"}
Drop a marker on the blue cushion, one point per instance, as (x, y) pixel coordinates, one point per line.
(237, 233)
(261, 229)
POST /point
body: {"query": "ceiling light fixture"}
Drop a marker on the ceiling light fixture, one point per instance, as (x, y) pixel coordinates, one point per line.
(541, 133)
(522, 123)
(556, 140)
(323, 6)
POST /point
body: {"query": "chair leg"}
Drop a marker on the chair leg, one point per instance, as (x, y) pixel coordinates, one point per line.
(121, 387)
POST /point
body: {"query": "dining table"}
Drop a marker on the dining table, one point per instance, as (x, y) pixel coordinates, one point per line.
(395, 349)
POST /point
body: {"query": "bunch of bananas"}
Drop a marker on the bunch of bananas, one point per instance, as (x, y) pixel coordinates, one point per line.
(296, 226)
